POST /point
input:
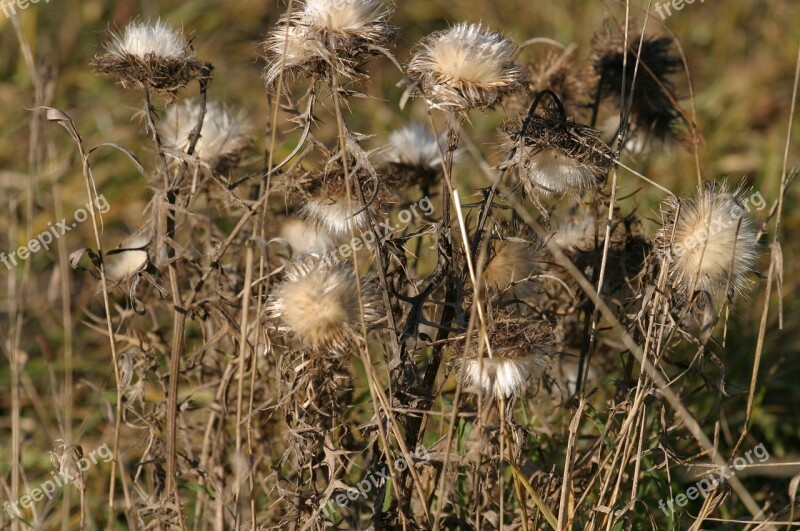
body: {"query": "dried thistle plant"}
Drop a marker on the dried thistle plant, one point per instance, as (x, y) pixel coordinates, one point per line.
(708, 242)
(465, 67)
(149, 54)
(553, 155)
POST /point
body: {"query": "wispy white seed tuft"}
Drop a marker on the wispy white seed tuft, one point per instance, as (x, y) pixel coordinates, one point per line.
(466, 66)
(328, 34)
(714, 241)
(522, 352)
(503, 377)
(223, 137)
(415, 146)
(319, 305)
(335, 215)
(141, 39)
(304, 238)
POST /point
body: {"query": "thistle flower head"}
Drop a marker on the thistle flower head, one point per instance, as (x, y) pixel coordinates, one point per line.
(304, 238)
(522, 351)
(465, 67)
(709, 238)
(325, 202)
(327, 35)
(223, 137)
(149, 54)
(654, 109)
(554, 155)
(512, 261)
(318, 304)
(413, 157)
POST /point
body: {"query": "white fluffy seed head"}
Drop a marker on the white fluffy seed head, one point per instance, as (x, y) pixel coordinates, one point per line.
(522, 351)
(466, 66)
(318, 304)
(551, 172)
(714, 240)
(335, 215)
(346, 16)
(223, 136)
(120, 266)
(503, 377)
(415, 146)
(141, 39)
(304, 238)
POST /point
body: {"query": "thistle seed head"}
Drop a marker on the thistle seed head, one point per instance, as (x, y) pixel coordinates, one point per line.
(522, 353)
(556, 156)
(709, 238)
(465, 67)
(223, 137)
(326, 35)
(149, 54)
(318, 304)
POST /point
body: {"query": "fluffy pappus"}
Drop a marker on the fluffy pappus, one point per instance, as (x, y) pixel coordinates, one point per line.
(152, 54)
(555, 155)
(522, 353)
(325, 202)
(465, 67)
(318, 304)
(328, 34)
(413, 157)
(223, 137)
(709, 238)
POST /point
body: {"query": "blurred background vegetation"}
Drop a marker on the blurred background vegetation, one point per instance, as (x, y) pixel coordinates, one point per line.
(741, 57)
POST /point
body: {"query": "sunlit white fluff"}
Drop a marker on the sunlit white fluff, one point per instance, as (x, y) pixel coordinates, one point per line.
(503, 377)
(120, 266)
(304, 238)
(343, 15)
(142, 39)
(319, 305)
(714, 239)
(553, 172)
(224, 132)
(414, 145)
(335, 215)
(466, 66)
